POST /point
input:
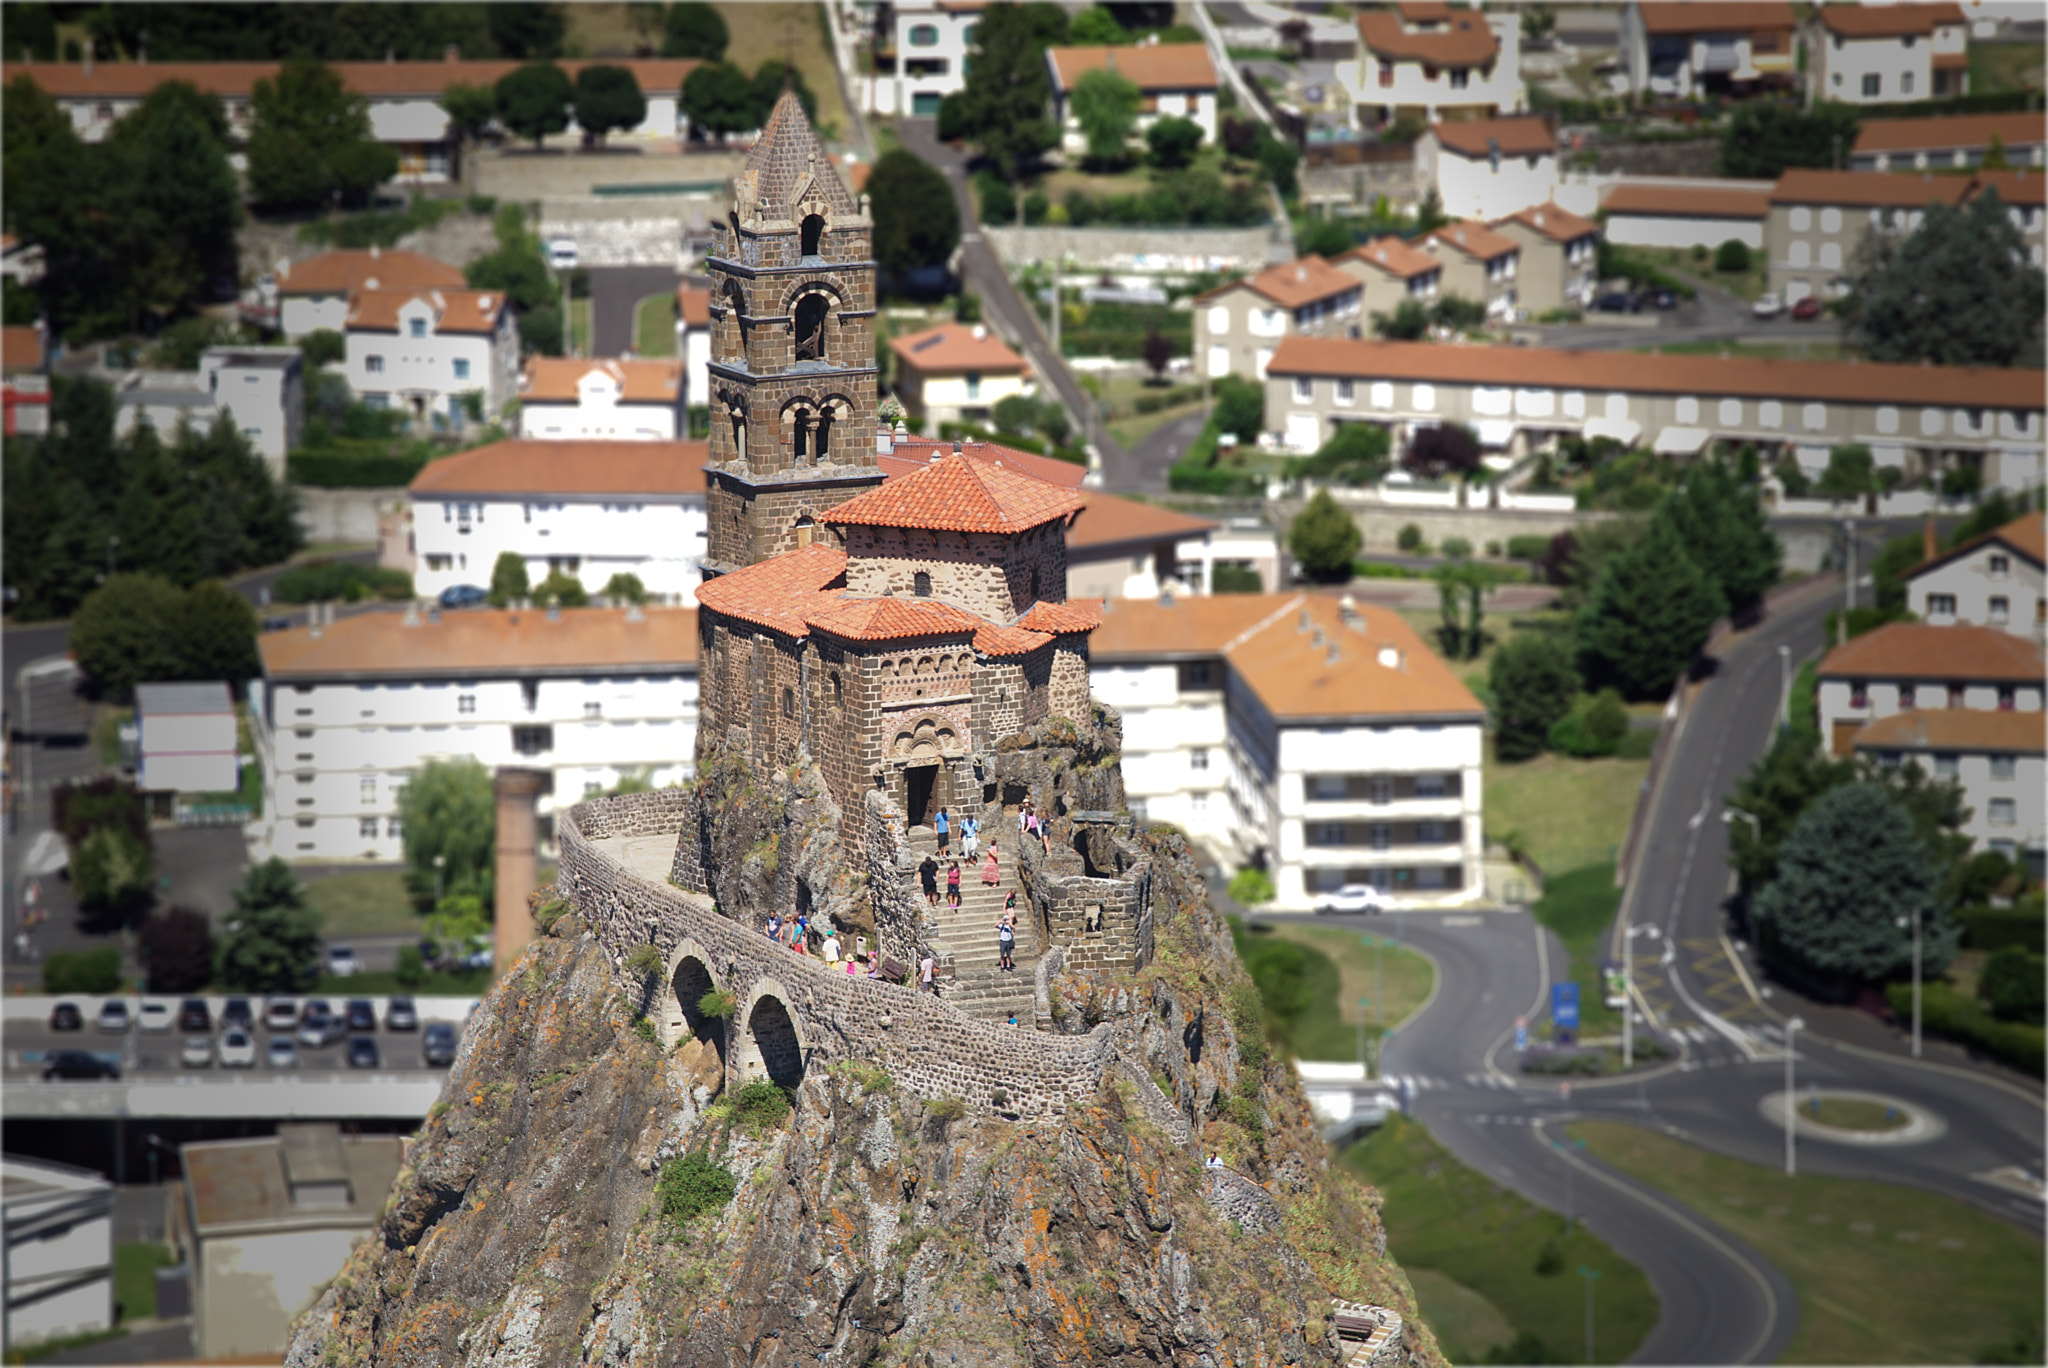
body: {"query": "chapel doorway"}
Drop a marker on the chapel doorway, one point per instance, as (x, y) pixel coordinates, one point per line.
(920, 784)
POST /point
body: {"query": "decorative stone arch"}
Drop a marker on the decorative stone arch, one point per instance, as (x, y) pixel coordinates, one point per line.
(808, 285)
(768, 1038)
(804, 530)
(924, 741)
(729, 344)
(689, 976)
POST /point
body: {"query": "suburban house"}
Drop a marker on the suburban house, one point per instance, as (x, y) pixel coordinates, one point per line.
(623, 400)
(1479, 264)
(2000, 759)
(1904, 666)
(1955, 140)
(261, 389)
(1818, 218)
(1887, 54)
(693, 343)
(422, 351)
(1680, 49)
(1686, 216)
(1393, 272)
(347, 711)
(1486, 169)
(1238, 325)
(588, 509)
(24, 381)
(1518, 399)
(1317, 738)
(957, 372)
(1990, 581)
(1120, 548)
(921, 54)
(1431, 62)
(1558, 257)
(1174, 80)
(404, 98)
(314, 293)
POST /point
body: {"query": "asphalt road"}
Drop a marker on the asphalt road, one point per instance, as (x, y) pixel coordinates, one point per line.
(615, 293)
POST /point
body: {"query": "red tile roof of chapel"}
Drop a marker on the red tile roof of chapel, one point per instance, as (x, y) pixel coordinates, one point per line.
(913, 454)
(955, 494)
(777, 592)
(1009, 641)
(890, 619)
(1075, 615)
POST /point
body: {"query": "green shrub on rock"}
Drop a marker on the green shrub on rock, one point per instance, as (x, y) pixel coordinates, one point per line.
(693, 1185)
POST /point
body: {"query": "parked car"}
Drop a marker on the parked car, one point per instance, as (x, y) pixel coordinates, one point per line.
(236, 1012)
(1662, 297)
(282, 1053)
(342, 962)
(1615, 303)
(481, 954)
(401, 1015)
(1807, 308)
(280, 1014)
(318, 1026)
(237, 1049)
(362, 1016)
(70, 1065)
(463, 596)
(562, 253)
(278, 624)
(362, 1052)
(155, 1017)
(437, 1045)
(113, 1018)
(1767, 306)
(430, 952)
(195, 1015)
(1353, 897)
(65, 1016)
(197, 1053)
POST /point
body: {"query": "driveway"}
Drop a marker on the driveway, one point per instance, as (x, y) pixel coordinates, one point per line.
(1149, 461)
(615, 292)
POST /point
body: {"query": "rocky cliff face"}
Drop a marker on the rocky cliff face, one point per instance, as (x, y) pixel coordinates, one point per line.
(865, 1224)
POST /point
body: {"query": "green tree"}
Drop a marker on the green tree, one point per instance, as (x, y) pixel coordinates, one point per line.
(1096, 27)
(1106, 105)
(1647, 617)
(625, 585)
(561, 590)
(1956, 291)
(1851, 870)
(533, 101)
(448, 813)
(2011, 984)
(1532, 681)
(1461, 595)
(608, 98)
(1240, 407)
(1004, 102)
(322, 347)
(917, 223)
(310, 139)
(508, 579)
(1539, 22)
(459, 921)
(97, 970)
(1325, 539)
(719, 99)
(522, 29)
(1278, 163)
(214, 636)
(177, 947)
(272, 943)
(1785, 780)
(124, 633)
(1174, 143)
(112, 872)
(1593, 727)
(1732, 256)
(767, 87)
(1721, 523)
(1763, 140)
(1323, 237)
(695, 30)
(1851, 472)
(470, 110)
(1356, 454)
(1994, 155)
(1409, 322)
(1442, 451)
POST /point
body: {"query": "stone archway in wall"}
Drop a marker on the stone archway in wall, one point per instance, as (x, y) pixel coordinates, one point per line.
(767, 1039)
(689, 979)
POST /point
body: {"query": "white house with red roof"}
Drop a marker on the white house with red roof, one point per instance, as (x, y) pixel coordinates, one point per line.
(620, 399)
(1486, 169)
(1174, 81)
(423, 350)
(1990, 581)
(1238, 325)
(1434, 61)
(314, 293)
(1905, 666)
(1954, 141)
(24, 380)
(1887, 54)
(1998, 759)
(957, 372)
(1682, 48)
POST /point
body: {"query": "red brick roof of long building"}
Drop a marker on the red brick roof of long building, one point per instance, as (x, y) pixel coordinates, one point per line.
(955, 494)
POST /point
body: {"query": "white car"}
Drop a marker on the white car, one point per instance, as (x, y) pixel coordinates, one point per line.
(237, 1049)
(283, 1052)
(1351, 898)
(562, 254)
(280, 1014)
(155, 1017)
(1767, 306)
(197, 1053)
(342, 962)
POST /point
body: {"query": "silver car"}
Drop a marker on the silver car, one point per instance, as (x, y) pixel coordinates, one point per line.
(283, 1052)
(197, 1053)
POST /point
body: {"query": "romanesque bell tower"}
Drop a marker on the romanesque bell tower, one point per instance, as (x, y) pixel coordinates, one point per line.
(792, 373)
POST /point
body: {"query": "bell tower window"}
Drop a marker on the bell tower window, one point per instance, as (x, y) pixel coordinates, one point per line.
(811, 313)
(812, 231)
(739, 436)
(800, 433)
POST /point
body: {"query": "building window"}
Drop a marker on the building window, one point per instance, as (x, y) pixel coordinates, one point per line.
(1195, 675)
(1326, 834)
(2004, 812)
(1859, 693)
(1304, 389)
(1382, 789)
(1329, 788)
(1941, 605)
(789, 702)
(592, 789)
(1429, 833)
(368, 788)
(393, 828)
(593, 709)
(2002, 767)
(1957, 696)
(1345, 391)
(1382, 836)
(1429, 786)
(921, 584)
(2007, 699)
(416, 327)
(465, 703)
(1944, 767)
(2001, 609)
(924, 35)
(1386, 75)
(1198, 758)
(1199, 802)
(533, 740)
(1460, 78)
(461, 368)
(374, 365)
(838, 691)
(1873, 85)
(1999, 566)
(973, 385)
(367, 828)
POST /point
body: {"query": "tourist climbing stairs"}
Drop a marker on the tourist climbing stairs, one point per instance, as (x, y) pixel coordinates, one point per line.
(968, 934)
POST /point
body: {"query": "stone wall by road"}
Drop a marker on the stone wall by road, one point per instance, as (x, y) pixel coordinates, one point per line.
(1183, 249)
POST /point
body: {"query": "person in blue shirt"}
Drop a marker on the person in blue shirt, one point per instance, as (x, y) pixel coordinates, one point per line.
(941, 825)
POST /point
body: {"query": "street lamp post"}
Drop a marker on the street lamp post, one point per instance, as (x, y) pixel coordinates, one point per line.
(440, 867)
(1792, 1027)
(1902, 923)
(1784, 687)
(1591, 1276)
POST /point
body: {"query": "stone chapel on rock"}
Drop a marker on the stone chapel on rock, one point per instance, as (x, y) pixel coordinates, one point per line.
(896, 632)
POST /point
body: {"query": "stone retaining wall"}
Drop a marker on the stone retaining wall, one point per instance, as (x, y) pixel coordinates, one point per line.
(1237, 1198)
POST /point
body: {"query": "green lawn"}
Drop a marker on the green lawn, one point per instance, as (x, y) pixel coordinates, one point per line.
(761, 31)
(1329, 1029)
(462, 983)
(1579, 906)
(2006, 66)
(1744, 285)
(135, 1267)
(369, 903)
(1824, 346)
(1566, 813)
(1480, 1244)
(1885, 1274)
(579, 327)
(654, 325)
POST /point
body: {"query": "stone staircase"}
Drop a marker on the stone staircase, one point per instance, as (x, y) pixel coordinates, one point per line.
(968, 935)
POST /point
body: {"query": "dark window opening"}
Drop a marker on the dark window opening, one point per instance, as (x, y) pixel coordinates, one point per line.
(800, 425)
(810, 327)
(921, 584)
(789, 702)
(811, 233)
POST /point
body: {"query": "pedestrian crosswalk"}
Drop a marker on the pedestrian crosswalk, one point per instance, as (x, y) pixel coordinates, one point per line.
(1415, 1083)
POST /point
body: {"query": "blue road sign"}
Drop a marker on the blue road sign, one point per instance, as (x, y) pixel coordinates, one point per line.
(1564, 1006)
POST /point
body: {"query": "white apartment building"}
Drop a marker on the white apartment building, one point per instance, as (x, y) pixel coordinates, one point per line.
(1680, 49)
(261, 389)
(1392, 272)
(1316, 737)
(957, 372)
(347, 711)
(423, 350)
(1687, 216)
(589, 509)
(1174, 80)
(1818, 218)
(1904, 666)
(1486, 169)
(1434, 61)
(2000, 759)
(1120, 548)
(1557, 262)
(1956, 140)
(620, 400)
(693, 345)
(1887, 54)
(1238, 325)
(1990, 581)
(314, 293)
(59, 1224)
(1479, 264)
(921, 56)
(1519, 399)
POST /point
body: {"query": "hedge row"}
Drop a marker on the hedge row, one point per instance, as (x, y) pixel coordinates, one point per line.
(1944, 1011)
(1993, 928)
(353, 470)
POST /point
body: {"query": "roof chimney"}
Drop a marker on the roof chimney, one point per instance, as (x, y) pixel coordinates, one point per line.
(981, 332)
(375, 252)
(1390, 657)
(956, 446)
(451, 53)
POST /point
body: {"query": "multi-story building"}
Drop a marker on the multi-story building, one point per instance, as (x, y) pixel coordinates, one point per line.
(1392, 272)
(1913, 418)
(921, 54)
(957, 372)
(1238, 325)
(1120, 548)
(2000, 760)
(1685, 216)
(1904, 666)
(422, 351)
(347, 711)
(1952, 141)
(1681, 49)
(1318, 738)
(1557, 261)
(1887, 54)
(1430, 61)
(1174, 80)
(261, 389)
(314, 293)
(1486, 169)
(1479, 264)
(58, 1281)
(1990, 581)
(623, 400)
(693, 343)
(1818, 219)
(588, 509)
(24, 381)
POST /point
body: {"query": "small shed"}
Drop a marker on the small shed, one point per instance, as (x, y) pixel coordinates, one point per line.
(187, 738)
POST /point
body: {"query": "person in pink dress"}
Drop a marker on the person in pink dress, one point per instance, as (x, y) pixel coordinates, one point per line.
(991, 872)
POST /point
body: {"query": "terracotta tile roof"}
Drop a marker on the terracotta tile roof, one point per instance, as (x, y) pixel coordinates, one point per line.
(132, 80)
(455, 311)
(1915, 650)
(787, 165)
(779, 592)
(1008, 641)
(1559, 225)
(1393, 256)
(1957, 729)
(1291, 284)
(1868, 189)
(1951, 131)
(2023, 534)
(890, 619)
(955, 494)
(1108, 521)
(530, 466)
(915, 453)
(2014, 187)
(1075, 615)
(1644, 372)
(1714, 16)
(957, 347)
(341, 273)
(693, 306)
(1474, 240)
(1142, 629)
(1886, 21)
(1423, 11)
(1951, 61)
(1518, 137)
(1466, 42)
(556, 379)
(1150, 66)
(21, 347)
(1678, 201)
(485, 641)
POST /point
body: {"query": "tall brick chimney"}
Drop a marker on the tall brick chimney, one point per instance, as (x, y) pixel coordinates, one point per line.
(518, 858)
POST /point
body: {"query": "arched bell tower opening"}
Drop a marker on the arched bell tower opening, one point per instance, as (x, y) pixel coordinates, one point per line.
(811, 234)
(810, 318)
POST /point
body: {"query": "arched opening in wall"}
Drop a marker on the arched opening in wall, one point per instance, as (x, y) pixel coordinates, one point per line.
(799, 434)
(805, 529)
(803, 898)
(921, 584)
(777, 1054)
(690, 982)
(810, 317)
(811, 233)
(821, 436)
(739, 435)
